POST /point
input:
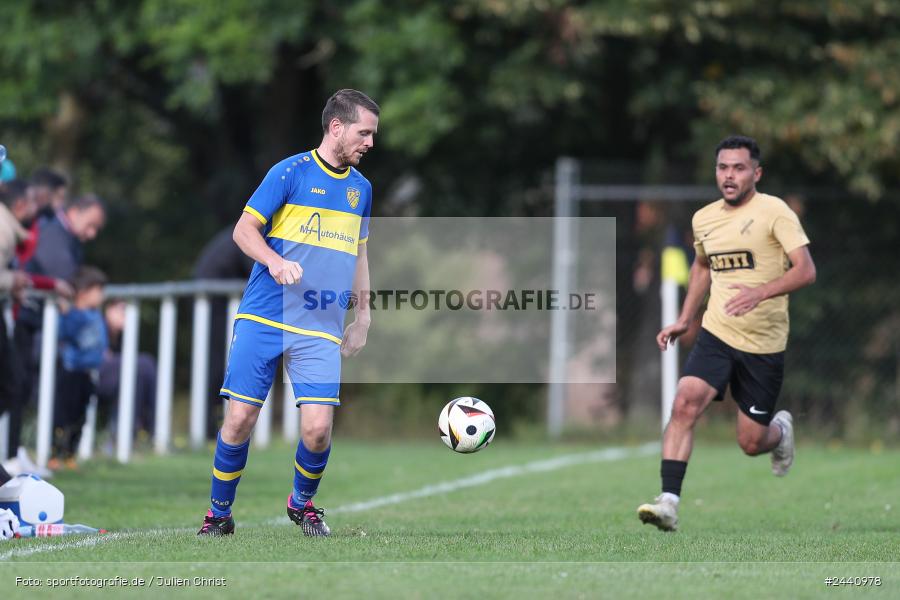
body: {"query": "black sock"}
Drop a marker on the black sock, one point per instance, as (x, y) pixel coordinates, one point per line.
(672, 472)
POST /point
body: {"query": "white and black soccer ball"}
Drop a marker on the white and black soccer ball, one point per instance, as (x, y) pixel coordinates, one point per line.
(466, 425)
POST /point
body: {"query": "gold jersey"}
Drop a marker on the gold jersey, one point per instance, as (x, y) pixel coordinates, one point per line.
(747, 245)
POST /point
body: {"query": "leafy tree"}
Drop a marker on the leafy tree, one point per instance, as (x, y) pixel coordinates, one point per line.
(174, 109)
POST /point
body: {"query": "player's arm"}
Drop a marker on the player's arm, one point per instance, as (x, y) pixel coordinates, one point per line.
(356, 333)
(248, 236)
(801, 274)
(698, 287)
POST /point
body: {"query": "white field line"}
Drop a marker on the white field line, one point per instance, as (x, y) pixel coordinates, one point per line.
(446, 487)
(79, 542)
(539, 466)
(87, 541)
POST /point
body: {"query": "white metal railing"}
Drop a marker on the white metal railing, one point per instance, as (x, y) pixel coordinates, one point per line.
(166, 294)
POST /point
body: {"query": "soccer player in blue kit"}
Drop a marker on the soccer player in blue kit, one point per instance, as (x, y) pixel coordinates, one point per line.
(306, 226)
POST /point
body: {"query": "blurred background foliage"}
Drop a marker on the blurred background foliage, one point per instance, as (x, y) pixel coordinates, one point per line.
(172, 110)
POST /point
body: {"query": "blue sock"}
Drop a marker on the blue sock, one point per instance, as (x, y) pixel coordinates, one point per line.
(308, 469)
(228, 465)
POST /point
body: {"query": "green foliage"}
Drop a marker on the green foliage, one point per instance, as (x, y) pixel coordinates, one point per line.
(806, 78)
(202, 46)
(174, 109)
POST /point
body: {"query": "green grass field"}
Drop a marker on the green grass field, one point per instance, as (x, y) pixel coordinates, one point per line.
(567, 529)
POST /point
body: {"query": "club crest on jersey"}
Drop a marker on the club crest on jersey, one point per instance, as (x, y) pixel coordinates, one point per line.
(731, 261)
(353, 197)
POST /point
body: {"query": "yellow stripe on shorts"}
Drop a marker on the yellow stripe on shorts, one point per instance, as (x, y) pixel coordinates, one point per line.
(231, 394)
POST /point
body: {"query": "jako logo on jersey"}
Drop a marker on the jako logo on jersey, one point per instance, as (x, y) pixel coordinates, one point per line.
(316, 190)
(314, 226)
(730, 261)
(353, 197)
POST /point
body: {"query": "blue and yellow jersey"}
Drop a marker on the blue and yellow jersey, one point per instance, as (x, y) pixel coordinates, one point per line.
(317, 217)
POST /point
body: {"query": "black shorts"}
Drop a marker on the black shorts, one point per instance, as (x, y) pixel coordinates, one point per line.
(755, 379)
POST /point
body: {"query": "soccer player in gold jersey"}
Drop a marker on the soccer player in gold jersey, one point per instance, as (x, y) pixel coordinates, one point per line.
(751, 253)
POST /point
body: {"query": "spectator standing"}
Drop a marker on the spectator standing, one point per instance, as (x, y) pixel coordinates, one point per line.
(15, 208)
(21, 209)
(13, 200)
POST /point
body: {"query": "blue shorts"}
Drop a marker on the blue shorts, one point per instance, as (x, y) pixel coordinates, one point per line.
(313, 365)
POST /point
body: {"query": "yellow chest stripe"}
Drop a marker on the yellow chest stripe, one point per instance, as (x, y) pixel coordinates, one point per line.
(322, 227)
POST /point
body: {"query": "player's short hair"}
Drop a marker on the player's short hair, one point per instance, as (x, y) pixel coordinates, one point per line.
(47, 177)
(11, 191)
(88, 277)
(735, 142)
(343, 107)
(86, 201)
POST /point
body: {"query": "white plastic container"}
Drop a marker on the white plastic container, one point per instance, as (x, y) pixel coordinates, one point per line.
(33, 500)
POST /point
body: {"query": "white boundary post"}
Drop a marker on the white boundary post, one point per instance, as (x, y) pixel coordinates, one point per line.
(234, 303)
(564, 226)
(127, 382)
(669, 293)
(290, 420)
(262, 433)
(88, 431)
(165, 375)
(47, 381)
(199, 373)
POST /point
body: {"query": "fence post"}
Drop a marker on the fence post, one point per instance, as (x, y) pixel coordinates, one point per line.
(233, 303)
(563, 260)
(674, 272)
(669, 294)
(262, 433)
(290, 420)
(199, 371)
(127, 382)
(162, 422)
(47, 381)
(88, 430)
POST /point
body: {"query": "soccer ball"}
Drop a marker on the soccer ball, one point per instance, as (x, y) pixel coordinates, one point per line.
(466, 425)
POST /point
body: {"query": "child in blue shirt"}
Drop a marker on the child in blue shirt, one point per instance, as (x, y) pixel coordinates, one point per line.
(83, 340)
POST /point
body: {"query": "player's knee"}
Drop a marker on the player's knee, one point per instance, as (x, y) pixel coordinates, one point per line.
(684, 410)
(238, 424)
(317, 436)
(235, 433)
